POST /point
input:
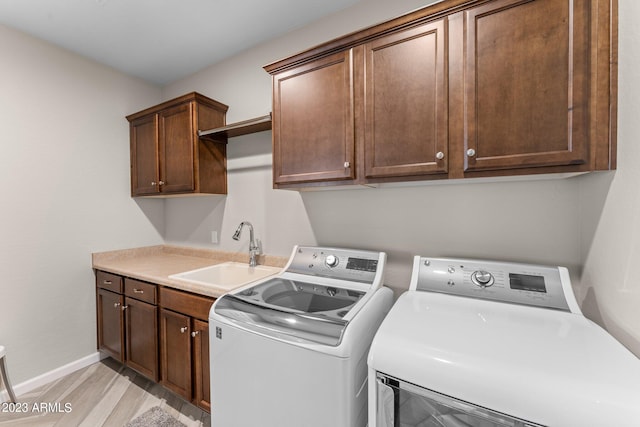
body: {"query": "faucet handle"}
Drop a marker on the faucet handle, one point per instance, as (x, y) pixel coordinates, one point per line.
(257, 247)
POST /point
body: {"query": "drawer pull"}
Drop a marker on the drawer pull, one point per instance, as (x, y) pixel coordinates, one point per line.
(107, 282)
(195, 333)
(138, 291)
(183, 329)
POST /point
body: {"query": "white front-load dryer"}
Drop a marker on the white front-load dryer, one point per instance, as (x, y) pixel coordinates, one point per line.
(484, 343)
(292, 350)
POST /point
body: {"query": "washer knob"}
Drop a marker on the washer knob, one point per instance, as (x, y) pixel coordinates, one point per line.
(482, 278)
(331, 260)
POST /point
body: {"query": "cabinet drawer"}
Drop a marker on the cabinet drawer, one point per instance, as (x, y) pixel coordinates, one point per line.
(142, 291)
(197, 306)
(105, 280)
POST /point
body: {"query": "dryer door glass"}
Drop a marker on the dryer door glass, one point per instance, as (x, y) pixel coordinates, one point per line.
(403, 404)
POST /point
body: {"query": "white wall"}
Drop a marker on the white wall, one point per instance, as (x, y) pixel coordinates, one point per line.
(64, 171)
(610, 204)
(532, 221)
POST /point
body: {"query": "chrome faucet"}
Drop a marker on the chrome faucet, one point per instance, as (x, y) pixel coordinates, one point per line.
(254, 246)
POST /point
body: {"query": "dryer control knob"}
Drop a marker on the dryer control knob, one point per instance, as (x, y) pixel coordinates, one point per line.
(482, 278)
(331, 260)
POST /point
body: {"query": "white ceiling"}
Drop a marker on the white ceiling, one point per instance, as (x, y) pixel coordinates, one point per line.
(161, 40)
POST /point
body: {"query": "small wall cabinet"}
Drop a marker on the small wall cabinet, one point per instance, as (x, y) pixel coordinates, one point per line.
(167, 156)
(128, 322)
(458, 89)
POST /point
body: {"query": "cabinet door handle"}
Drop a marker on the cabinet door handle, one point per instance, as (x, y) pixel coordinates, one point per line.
(439, 155)
(195, 333)
(471, 152)
(347, 165)
(153, 183)
(183, 329)
(116, 305)
(161, 183)
(124, 307)
(138, 291)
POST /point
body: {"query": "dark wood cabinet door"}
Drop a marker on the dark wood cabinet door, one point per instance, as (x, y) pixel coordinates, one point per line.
(142, 337)
(526, 83)
(110, 324)
(406, 103)
(201, 373)
(176, 143)
(144, 156)
(175, 352)
(313, 128)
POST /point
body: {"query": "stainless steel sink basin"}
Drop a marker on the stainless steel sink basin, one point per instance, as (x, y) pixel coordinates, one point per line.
(228, 275)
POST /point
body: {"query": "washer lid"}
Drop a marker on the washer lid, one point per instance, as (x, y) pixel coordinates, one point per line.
(286, 325)
(546, 366)
(294, 296)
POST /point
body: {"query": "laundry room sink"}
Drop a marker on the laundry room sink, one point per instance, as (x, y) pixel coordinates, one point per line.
(228, 275)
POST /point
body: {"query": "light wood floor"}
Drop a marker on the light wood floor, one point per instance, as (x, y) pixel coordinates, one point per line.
(103, 394)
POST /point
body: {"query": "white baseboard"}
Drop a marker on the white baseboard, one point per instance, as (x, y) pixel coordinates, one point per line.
(55, 374)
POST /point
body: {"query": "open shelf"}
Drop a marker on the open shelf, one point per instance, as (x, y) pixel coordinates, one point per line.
(245, 127)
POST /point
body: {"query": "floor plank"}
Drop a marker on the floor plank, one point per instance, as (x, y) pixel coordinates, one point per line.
(103, 394)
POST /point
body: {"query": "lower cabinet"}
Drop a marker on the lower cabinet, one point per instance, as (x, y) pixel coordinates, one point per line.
(184, 345)
(162, 333)
(175, 342)
(201, 372)
(128, 322)
(141, 320)
(110, 324)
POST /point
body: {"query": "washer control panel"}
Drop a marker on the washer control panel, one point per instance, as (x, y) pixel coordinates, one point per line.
(345, 264)
(526, 284)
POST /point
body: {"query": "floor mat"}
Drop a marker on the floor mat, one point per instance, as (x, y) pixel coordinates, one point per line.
(155, 417)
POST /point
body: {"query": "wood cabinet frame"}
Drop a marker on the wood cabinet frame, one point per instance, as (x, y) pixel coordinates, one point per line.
(127, 322)
(110, 324)
(184, 345)
(405, 107)
(305, 152)
(167, 155)
(591, 106)
(163, 333)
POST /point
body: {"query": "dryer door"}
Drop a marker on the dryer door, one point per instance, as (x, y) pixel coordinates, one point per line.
(402, 404)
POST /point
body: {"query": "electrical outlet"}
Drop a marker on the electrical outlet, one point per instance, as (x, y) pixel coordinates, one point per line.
(214, 236)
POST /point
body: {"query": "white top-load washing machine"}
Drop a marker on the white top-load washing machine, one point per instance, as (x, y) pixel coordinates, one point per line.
(292, 350)
(481, 343)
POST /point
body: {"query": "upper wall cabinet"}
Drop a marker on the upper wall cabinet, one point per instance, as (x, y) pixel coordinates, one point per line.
(405, 103)
(314, 118)
(458, 89)
(522, 69)
(167, 156)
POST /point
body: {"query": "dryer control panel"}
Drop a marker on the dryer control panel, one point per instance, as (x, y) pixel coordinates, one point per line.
(526, 284)
(336, 263)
